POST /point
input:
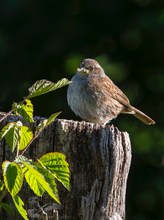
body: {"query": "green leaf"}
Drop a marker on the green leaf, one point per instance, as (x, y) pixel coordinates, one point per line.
(25, 109)
(8, 208)
(1, 185)
(32, 178)
(44, 123)
(16, 134)
(57, 164)
(40, 180)
(6, 129)
(26, 136)
(49, 178)
(43, 86)
(20, 159)
(19, 205)
(52, 118)
(13, 177)
(11, 134)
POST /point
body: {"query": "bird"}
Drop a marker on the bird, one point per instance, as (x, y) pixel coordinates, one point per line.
(94, 97)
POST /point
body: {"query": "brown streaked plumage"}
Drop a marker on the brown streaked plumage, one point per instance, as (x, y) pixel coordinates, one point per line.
(94, 97)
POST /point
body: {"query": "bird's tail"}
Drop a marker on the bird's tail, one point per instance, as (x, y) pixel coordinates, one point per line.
(141, 116)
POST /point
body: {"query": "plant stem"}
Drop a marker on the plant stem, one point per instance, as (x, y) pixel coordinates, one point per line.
(5, 116)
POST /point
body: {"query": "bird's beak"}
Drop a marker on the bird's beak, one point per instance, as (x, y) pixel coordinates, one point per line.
(82, 70)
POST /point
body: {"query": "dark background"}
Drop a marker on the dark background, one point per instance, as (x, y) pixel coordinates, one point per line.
(48, 40)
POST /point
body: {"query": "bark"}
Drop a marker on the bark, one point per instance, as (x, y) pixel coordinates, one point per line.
(99, 159)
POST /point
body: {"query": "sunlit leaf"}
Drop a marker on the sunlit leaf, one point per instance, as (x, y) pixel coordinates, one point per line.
(40, 181)
(6, 129)
(57, 164)
(1, 185)
(26, 136)
(49, 178)
(13, 177)
(32, 178)
(11, 134)
(20, 159)
(43, 86)
(19, 205)
(44, 123)
(41, 125)
(25, 109)
(52, 118)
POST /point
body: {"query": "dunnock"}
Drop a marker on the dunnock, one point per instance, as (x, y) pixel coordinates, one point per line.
(95, 98)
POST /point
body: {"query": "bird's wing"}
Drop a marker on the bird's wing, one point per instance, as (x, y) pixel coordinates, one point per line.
(109, 89)
(118, 95)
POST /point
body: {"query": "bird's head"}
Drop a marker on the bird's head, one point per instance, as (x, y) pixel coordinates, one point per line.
(88, 67)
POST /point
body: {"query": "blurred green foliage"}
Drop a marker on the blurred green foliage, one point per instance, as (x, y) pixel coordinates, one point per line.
(48, 39)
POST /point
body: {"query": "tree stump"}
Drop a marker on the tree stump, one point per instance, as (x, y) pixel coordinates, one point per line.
(99, 159)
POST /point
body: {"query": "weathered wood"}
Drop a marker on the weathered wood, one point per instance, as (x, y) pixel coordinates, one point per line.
(99, 159)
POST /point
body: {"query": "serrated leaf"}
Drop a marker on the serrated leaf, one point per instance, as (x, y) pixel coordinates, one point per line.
(19, 205)
(25, 109)
(6, 129)
(43, 86)
(57, 164)
(32, 179)
(20, 159)
(52, 118)
(49, 178)
(40, 181)
(11, 134)
(44, 123)
(26, 136)
(8, 208)
(13, 177)
(41, 126)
